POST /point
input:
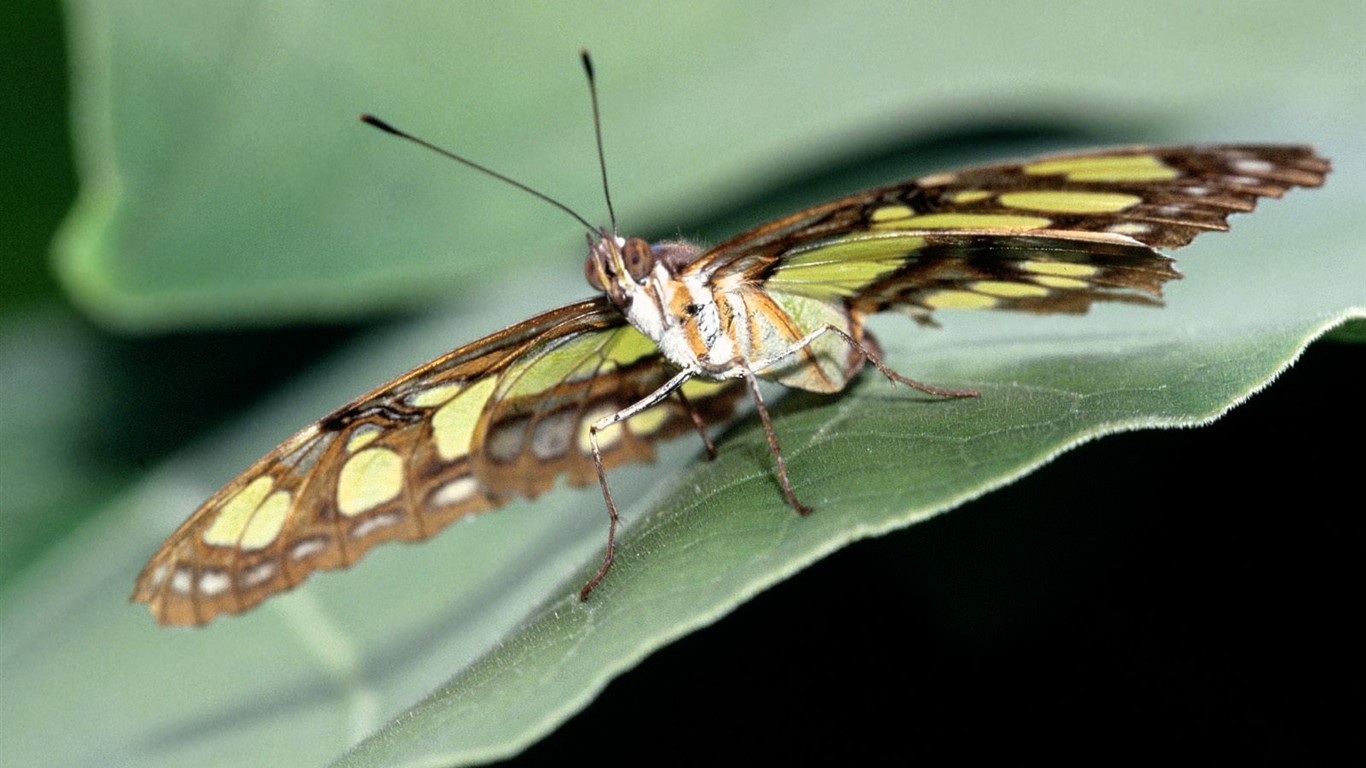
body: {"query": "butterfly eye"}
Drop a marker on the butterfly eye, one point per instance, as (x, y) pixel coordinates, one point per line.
(640, 260)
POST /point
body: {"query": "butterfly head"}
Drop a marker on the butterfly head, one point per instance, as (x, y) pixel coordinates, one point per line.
(621, 267)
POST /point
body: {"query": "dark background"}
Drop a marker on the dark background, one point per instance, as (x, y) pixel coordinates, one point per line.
(1072, 614)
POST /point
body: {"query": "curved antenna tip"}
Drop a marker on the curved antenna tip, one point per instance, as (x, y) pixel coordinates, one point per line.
(369, 119)
(587, 62)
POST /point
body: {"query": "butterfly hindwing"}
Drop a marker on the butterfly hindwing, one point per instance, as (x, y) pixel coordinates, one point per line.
(494, 420)
(920, 272)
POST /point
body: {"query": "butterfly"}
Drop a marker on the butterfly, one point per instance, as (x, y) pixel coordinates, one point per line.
(679, 334)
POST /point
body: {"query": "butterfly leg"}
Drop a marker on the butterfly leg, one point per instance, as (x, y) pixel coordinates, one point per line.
(871, 354)
(650, 400)
(772, 436)
(868, 352)
(697, 423)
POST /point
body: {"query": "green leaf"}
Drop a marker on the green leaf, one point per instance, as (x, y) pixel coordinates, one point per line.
(224, 184)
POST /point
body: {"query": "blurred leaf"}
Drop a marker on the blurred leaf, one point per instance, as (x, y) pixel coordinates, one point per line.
(225, 179)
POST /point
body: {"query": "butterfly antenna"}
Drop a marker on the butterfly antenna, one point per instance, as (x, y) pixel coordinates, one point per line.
(597, 131)
(387, 128)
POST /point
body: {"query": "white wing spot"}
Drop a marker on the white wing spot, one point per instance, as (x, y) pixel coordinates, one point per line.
(1129, 228)
(455, 491)
(307, 548)
(158, 576)
(213, 582)
(937, 180)
(370, 524)
(258, 574)
(181, 581)
(1252, 165)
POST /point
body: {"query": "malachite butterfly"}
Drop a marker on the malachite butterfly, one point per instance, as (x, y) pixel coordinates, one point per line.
(679, 333)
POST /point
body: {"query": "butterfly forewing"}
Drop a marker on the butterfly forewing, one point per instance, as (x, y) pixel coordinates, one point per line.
(497, 419)
(1047, 235)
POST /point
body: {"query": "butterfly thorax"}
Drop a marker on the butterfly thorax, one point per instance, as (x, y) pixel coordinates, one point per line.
(717, 325)
(674, 307)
